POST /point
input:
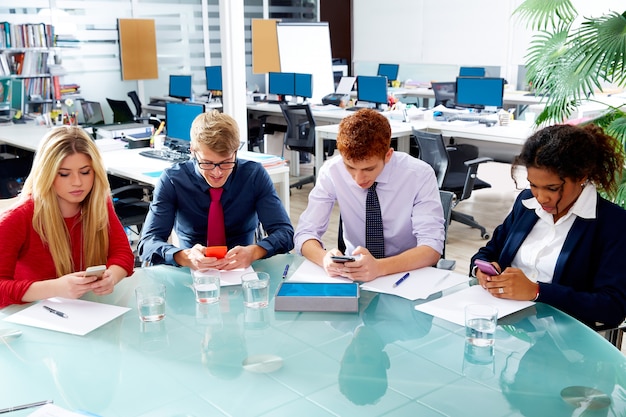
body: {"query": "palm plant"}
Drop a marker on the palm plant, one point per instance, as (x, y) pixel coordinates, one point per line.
(568, 63)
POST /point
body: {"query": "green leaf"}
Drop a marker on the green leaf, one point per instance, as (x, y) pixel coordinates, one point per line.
(545, 14)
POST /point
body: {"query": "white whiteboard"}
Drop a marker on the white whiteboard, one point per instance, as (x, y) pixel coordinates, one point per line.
(305, 48)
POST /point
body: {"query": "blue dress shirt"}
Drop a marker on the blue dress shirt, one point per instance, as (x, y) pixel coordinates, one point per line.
(409, 202)
(181, 202)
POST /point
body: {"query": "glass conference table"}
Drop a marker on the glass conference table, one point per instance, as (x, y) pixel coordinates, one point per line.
(226, 360)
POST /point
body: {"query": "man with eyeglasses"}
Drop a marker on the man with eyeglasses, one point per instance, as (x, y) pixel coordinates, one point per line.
(183, 196)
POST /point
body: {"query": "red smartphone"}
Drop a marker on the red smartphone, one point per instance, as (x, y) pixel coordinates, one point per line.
(215, 252)
(486, 267)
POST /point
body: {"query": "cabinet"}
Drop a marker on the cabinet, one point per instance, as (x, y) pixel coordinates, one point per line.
(26, 54)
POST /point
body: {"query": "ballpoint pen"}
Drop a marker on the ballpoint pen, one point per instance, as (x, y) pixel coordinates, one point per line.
(285, 271)
(25, 406)
(57, 312)
(398, 282)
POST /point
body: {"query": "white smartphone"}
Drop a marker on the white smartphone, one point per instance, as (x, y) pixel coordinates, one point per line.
(97, 271)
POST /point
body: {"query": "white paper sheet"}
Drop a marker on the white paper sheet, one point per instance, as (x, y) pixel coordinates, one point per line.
(82, 316)
(419, 285)
(452, 307)
(311, 272)
(233, 277)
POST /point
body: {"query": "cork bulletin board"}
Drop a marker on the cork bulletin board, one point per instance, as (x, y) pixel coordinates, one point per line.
(138, 52)
(265, 56)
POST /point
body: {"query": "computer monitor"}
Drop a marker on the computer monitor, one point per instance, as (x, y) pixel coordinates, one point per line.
(471, 72)
(388, 70)
(372, 89)
(89, 113)
(282, 84)
(479, 92)
(178, 119)
(180, 87)
(213, 78)
(303, 85)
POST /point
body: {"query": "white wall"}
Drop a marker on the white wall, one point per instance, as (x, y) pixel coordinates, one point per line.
(456, 32)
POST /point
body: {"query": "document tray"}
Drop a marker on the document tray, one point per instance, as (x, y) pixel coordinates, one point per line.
(315, 296)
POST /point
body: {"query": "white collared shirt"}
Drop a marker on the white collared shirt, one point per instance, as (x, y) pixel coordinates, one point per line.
(540, 250)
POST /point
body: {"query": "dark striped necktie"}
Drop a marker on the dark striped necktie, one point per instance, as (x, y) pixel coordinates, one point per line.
(374, 239)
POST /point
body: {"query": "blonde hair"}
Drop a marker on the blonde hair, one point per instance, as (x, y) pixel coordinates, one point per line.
(218, 131)
(48, 221)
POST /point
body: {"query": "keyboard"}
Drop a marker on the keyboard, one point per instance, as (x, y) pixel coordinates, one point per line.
(355, 108)
(466, 117)
(165, 155)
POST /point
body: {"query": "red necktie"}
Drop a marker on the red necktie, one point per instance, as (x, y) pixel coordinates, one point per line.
(216, 236)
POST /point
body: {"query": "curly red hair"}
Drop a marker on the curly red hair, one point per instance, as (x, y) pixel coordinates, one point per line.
(364, 134)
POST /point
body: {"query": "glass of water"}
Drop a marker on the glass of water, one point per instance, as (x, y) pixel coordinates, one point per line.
(151, 302)
(480, 325)
(206, 285)
(256, 289)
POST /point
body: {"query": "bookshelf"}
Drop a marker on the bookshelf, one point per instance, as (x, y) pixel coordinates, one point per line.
(26, 51)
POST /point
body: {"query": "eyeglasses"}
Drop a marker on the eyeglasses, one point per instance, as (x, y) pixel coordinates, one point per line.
(210, 166)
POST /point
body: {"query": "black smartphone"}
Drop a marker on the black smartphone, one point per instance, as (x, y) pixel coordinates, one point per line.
(342, 259)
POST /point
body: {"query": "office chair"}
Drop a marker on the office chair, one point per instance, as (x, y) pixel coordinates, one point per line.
(300, 134)
(444, 93)
(455, 169)
(256, 133)
(121, 111)
(154, 121)
(447, 201)
(131, 206)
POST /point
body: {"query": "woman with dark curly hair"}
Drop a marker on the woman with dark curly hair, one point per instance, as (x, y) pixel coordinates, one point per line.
(563, 244)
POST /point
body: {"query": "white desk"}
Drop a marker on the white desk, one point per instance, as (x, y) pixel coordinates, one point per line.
(126, 163)
(501, 143)
(399, 130)
(160, 110)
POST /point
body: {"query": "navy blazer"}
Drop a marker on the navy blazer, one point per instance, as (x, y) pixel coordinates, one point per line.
(589, 279)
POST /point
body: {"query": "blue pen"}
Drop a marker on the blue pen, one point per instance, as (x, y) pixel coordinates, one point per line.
(398, 282)
(285, 271)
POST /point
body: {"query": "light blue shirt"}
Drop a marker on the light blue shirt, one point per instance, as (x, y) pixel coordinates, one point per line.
(409, 202)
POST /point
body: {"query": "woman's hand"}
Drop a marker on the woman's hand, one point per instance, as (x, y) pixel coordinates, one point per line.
(511, 284)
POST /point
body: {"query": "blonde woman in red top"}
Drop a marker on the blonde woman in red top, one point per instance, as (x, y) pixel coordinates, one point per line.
(63, 223)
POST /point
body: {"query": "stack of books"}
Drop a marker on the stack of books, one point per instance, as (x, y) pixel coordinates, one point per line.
(268, 161)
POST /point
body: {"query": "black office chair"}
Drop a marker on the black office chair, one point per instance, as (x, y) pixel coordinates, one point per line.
(256, 133)
(300, 134)
(444, 93)
(121, 111)
(139, 117)
(455, 168)
(447, 202)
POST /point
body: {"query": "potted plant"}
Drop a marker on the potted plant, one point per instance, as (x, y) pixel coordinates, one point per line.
(567, 63)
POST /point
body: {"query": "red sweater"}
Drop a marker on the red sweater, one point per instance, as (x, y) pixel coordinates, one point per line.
(25, 259)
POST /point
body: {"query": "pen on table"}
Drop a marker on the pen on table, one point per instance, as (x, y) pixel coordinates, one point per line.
(285, 271)
(25, 406)
(57, 312)
(398, 282)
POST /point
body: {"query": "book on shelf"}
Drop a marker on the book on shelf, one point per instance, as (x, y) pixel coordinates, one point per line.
(27, 35)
